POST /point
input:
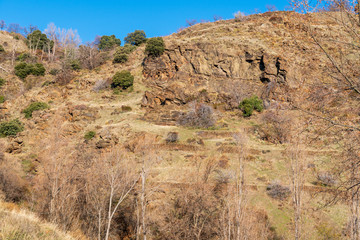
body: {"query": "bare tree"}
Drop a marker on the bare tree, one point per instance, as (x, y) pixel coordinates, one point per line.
(14, 27)
(297, 172)
(52, 33)
(69, 39)
(191, 22)
(2, 24)
(112, 178)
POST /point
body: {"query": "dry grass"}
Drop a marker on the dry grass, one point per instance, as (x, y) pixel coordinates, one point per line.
(22, 225)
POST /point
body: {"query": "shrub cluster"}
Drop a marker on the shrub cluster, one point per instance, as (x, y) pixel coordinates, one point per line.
(275, 126)
(122, 53)
(2, 99)
(23, 56)
(2, 82)
(248, 105)
(22, 70)
(200, 115)
(74, 64)
(122, 79)
(10, 128)
(90, 135)
(155, 47)
(109, 42)
(35, 106)
(172, 137)
(39, 40)
(277, 191)
(2, 49)
(136, 38)
(326, 179)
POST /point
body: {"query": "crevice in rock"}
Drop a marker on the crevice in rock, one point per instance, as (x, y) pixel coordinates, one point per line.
(262, 64)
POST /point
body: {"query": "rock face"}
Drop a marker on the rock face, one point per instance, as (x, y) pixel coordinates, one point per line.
(224, 62)
(214, 74)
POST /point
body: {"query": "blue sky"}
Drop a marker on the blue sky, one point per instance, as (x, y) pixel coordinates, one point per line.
(106, 17)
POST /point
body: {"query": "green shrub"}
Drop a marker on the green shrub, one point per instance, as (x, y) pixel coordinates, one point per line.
(125, 108)
(120, 58)
(122, 79)
(109, 42)
(38, 70)
(90, 135)
(248, 105)
(35, 106)
(155, 47)
(10, 128)
(2, 82)
(121, 54)
(126, 49)
(54, 71)
(23, 56)
(136, 38)
(74, 65)
(39, 40)
(2, 49)
(2, 99)
(22, 70)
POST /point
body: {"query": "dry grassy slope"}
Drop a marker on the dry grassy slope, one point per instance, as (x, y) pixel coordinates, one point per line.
(178, 166)
(21, 224)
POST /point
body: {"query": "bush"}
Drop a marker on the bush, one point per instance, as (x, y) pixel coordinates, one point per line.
(10, 128)
(2, 99)
(23, 56)
(136, 38)
(248, 105)
(122, 79)
(2, 49)
(120, 58)
(125, 108)
(54, 71)
(172, 137)
(90, 135)
(200, 115)
(326, 179)
(74, 65)
(275, 126)
(22, 70)
(2, 82)
(38, 70)
(39, 40)
(35, 106)
(122, 53)
(109, 42)
(277, 191)
(155, 47)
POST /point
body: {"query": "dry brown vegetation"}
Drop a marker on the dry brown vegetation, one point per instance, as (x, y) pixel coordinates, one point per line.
(167, 160)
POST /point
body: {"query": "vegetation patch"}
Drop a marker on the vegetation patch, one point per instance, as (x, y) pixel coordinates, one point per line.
(2, 99)
(123, 80)
(89, 135)
(22, 70)
(277, 191)
(109, 42)
(199, 115)
(136, 38)
(155, 47)
(10, 128)
(2, 49)
(35, 106)
(2, 82)
(248, 105)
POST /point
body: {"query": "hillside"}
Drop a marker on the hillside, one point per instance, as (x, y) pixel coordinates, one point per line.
(54, 171)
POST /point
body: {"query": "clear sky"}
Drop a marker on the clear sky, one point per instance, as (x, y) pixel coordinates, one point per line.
(106, 17)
